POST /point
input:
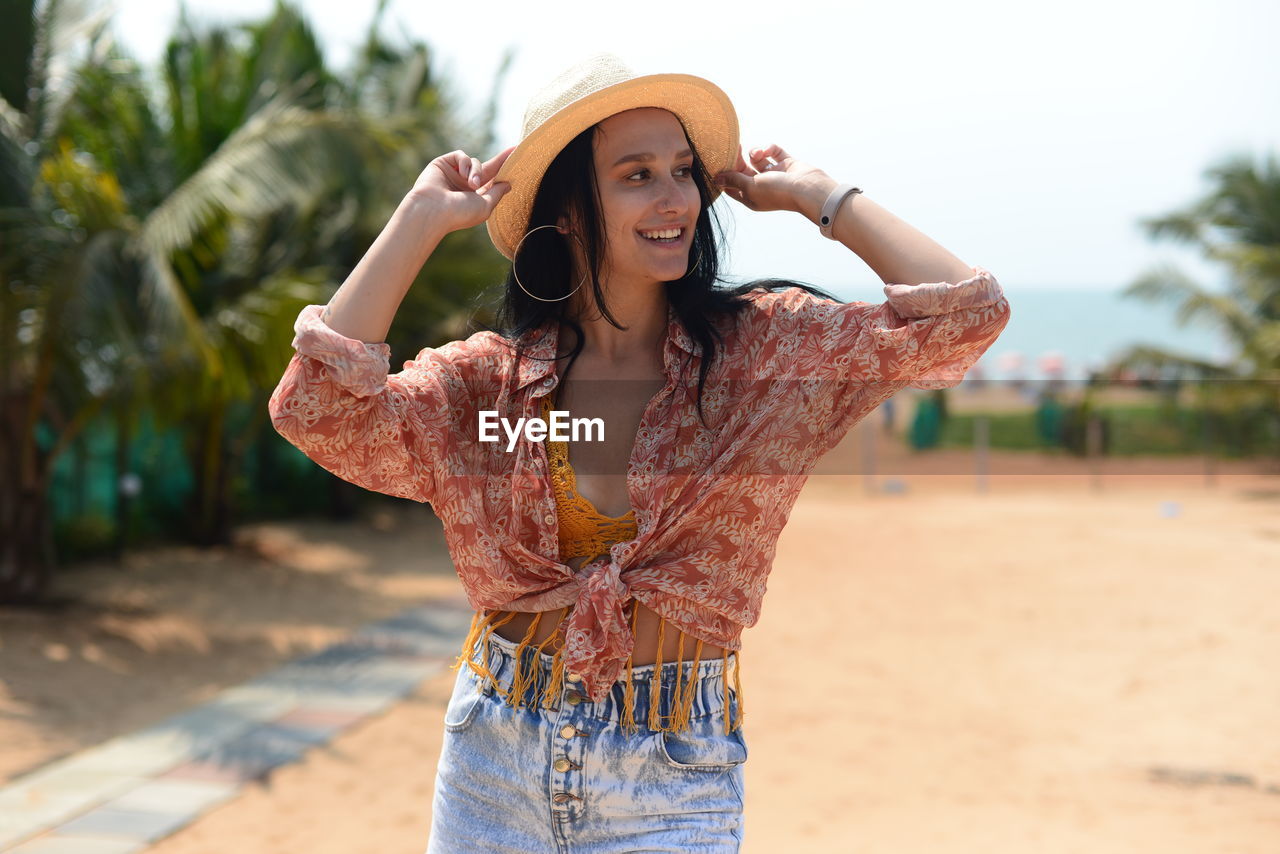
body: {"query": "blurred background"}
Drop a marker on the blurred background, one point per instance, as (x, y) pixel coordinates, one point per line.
(177, 182)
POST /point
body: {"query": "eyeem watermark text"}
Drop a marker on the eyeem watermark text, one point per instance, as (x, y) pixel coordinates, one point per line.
(538, 429)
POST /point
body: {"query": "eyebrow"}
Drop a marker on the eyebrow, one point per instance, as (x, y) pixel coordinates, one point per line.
(646, 157)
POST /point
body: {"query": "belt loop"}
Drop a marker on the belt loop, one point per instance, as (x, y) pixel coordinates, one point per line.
(486, 683)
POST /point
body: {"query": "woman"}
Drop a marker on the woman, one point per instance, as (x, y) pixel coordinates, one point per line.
(595, 712)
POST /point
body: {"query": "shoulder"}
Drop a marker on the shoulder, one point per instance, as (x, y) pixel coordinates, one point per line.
(482, 354)
(480, 345)
(788, 299)
(777, 308)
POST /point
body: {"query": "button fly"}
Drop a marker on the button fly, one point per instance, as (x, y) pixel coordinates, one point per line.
(563, 764)
(568, 731)
(575, 699)
(574, 677)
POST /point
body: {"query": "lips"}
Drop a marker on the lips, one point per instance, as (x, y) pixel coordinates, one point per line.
(672, 236)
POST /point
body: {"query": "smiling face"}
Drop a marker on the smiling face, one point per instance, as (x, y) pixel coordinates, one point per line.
(650, 203)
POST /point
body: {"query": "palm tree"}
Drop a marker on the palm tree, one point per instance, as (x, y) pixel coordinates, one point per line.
(160, 253)
(1238, 224)
(56, 216)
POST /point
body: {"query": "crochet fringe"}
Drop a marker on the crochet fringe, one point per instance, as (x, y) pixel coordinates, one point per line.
(483, 624)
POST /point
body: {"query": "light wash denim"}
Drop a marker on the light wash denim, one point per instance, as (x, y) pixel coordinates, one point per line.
(498, 787)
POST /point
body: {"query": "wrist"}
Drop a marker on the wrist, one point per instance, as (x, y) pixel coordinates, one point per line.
(426, 214)
(810, 194)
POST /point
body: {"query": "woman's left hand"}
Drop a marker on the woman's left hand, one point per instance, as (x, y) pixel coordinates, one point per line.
(774, 181)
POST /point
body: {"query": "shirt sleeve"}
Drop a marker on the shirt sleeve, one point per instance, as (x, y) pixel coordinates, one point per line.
(926, 336)
(338, 404)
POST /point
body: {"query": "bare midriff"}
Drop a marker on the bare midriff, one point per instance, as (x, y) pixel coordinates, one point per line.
(646, 645)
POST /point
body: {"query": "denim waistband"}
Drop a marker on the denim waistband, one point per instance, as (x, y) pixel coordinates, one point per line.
(709, 683)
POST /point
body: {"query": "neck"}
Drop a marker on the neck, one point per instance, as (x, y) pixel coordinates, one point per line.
(641, 307)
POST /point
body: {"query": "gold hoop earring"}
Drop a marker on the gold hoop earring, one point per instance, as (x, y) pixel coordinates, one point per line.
(517, 275)
(696, 265)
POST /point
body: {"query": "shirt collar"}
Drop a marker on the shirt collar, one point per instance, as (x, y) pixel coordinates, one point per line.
(536, 363)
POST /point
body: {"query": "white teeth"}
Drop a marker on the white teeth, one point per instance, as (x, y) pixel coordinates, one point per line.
(670, 232)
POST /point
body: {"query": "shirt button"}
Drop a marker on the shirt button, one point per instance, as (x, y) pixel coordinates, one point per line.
(561, 797)
(568, 731)
(574, 677)
(575, 699)
(562, 764)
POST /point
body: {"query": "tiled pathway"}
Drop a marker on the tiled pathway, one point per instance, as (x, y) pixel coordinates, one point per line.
(132, 791)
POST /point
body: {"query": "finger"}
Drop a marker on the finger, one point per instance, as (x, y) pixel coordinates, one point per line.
(770, 158)
(501, 157)
(733, 181)
(735, 185)
(760, 159)
(739, 196)
(476, 179)
(494, 164)
(494, 195)
(451, 165)
(741, 165)
(457, 163)
(776, 152)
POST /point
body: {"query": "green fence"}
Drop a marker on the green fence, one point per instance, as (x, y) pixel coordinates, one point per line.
(1126, 431)
(98, 503)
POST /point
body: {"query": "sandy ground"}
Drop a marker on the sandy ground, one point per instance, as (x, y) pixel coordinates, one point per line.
(1063, 662)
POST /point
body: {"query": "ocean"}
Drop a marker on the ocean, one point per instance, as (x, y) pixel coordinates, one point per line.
(1082, 327)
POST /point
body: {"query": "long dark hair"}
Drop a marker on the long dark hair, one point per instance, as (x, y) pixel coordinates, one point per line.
(546, 263)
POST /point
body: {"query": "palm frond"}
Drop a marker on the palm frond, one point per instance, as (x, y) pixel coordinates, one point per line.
(63, 29)
(259, 324)
(17, 165)
(281, 157)
(1162, 362)
(1180, 227)
(17, 39)
(1169, 285)
(168, 313)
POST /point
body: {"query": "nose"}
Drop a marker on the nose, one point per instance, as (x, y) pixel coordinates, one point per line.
(671, 197)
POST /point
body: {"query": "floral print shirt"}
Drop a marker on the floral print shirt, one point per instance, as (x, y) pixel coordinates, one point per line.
(796, 372)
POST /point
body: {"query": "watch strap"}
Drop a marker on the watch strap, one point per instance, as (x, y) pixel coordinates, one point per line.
(827, 219)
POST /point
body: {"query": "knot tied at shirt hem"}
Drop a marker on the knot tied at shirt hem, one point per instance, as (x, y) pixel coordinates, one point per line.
(598, 639)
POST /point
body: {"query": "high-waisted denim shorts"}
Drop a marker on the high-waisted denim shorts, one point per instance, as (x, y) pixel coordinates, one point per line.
(572, 778)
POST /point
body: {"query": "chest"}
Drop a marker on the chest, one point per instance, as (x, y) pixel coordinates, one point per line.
(609, 405)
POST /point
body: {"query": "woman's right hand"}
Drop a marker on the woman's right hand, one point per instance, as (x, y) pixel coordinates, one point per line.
(461, 188)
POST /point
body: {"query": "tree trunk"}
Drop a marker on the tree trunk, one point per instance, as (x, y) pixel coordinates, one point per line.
(210, 500)
(26, 565)
(124, 495)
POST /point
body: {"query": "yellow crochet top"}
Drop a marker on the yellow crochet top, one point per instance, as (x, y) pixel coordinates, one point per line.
(584, 531)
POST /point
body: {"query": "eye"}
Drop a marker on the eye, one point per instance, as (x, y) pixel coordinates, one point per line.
(686, 170)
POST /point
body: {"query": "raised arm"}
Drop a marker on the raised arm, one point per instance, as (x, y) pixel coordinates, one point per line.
(453, 192)
(898, 252)
(939, 316)
(336, 402)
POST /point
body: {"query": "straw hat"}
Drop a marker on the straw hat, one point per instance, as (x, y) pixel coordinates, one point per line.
(589, 92)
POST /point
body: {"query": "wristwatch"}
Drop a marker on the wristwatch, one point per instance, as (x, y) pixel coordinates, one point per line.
(827, 221)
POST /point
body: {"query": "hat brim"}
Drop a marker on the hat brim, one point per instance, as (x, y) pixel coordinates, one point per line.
(704, 109)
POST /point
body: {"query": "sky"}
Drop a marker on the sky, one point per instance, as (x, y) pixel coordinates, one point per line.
(1025, 138)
